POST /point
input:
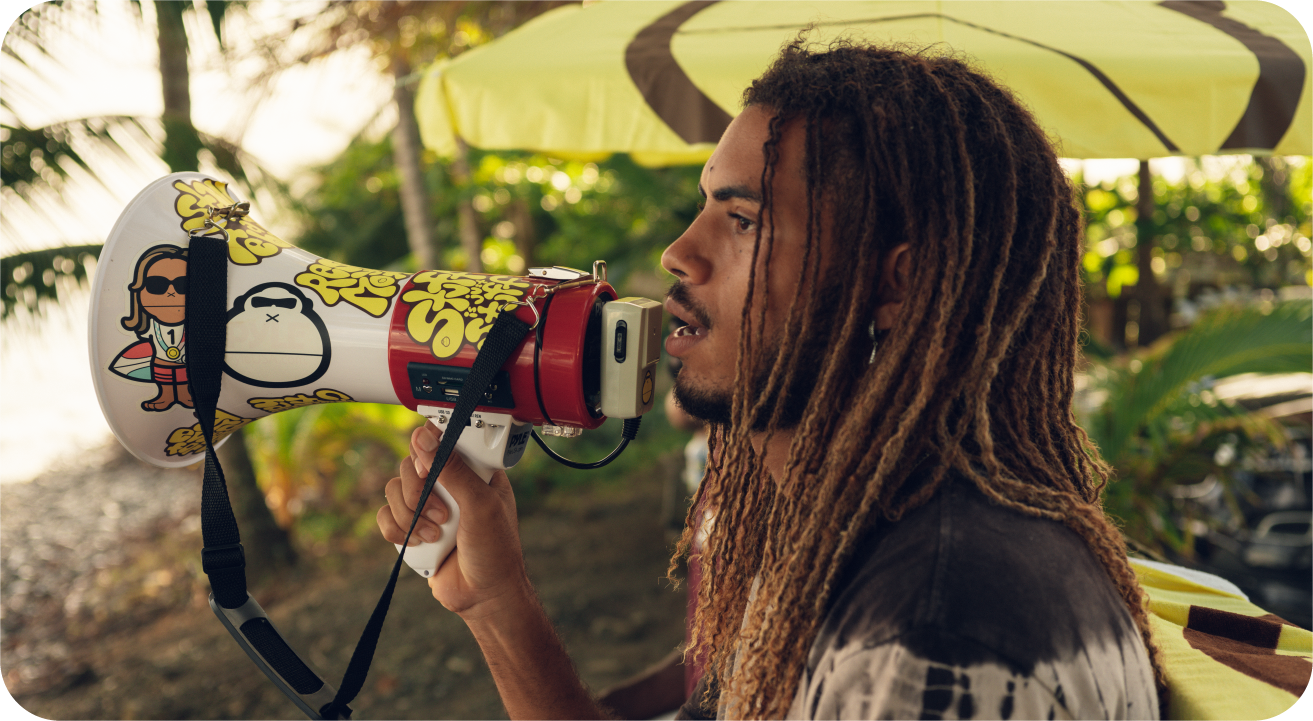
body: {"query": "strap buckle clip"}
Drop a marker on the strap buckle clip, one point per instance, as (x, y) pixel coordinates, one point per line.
(221, 558)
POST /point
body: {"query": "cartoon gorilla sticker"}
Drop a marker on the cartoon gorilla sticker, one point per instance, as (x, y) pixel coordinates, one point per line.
(275, 338)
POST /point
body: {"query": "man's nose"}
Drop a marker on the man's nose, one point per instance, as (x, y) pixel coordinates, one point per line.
(684, 258)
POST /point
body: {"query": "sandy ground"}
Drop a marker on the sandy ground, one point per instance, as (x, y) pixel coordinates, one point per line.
(105, 613)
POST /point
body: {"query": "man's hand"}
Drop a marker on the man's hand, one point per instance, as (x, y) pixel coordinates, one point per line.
(486, 570)
(483, 580)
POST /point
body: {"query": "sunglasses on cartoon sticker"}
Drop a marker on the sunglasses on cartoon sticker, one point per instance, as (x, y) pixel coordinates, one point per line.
(159, 285)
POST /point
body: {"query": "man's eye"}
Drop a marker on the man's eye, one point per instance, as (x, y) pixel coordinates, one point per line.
(745, 224)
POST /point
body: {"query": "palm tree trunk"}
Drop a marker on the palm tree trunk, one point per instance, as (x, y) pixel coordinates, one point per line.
(1149, 293)
(466, 219)
(268, 549)
(406, 149)
(1275, 185)
(181, 143)
(526, 235)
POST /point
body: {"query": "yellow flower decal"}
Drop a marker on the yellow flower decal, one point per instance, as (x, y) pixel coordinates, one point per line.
(451, 309)
(369, 290)
(248, 242)
(186, 441)
(323, 395)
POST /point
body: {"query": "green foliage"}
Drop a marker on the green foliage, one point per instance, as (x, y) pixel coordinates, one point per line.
(1156, 412)
(353, 215)
(1248, 227)
(323, 467)
(613, 210)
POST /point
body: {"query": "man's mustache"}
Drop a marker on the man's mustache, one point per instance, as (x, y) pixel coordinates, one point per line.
(680, 293)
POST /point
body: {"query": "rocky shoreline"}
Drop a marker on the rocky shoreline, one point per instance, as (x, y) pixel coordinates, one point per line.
(60, 531)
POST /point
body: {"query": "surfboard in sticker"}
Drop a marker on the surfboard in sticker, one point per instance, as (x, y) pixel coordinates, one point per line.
(134, 362)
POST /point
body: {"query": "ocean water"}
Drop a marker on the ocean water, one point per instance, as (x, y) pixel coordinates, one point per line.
(48, 407)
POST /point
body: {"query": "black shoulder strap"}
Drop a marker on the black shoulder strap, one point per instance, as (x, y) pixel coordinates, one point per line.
(223, 558)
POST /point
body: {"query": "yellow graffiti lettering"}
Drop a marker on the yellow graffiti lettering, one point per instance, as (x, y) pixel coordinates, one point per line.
(450, 309)
(186, 441)
(274, 405)
(248, 242)
(369, 290)
(442, 329)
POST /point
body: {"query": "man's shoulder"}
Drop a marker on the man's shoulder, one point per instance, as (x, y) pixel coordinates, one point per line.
(1027, 587)
(965, 602)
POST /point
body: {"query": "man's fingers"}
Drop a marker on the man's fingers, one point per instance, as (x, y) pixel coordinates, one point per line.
(403, 496)
(392, 533)
(414, 471)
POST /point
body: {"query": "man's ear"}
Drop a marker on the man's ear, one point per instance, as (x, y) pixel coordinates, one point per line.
(895, 284)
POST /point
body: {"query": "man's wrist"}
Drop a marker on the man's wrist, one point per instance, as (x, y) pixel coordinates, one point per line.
(514, 601)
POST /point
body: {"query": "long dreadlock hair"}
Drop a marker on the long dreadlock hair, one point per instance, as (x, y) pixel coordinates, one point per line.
(978, 372)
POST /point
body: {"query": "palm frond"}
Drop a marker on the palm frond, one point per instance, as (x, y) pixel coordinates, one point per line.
(34, 278)
(35, 157)
(1173, 377)
(34, 24)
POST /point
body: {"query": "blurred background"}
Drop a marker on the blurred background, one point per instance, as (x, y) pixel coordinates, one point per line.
(1195, 385)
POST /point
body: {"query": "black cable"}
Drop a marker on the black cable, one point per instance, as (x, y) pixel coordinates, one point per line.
(628, 431)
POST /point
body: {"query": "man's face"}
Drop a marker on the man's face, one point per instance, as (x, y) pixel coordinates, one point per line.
(713, 261)
(165, 292)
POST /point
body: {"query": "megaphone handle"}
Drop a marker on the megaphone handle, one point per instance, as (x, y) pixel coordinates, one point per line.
(426, 557)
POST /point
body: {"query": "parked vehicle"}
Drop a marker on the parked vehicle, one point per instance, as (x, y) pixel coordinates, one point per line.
(1283, 540)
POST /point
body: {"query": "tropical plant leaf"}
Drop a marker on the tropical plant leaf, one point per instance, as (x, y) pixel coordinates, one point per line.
(1229, 341)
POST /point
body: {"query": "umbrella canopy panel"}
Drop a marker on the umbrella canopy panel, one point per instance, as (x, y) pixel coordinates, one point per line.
(661, 80)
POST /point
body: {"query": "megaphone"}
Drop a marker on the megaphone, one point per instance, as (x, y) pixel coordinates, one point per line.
(303, 330)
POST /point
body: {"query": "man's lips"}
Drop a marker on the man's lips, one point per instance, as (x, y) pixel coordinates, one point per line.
(682, 339)
(690, 316)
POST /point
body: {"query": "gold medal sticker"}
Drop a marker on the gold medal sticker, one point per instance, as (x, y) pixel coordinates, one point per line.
(172, 353)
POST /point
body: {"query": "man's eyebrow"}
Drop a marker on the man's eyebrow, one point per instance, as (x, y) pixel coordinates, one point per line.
(735, 191)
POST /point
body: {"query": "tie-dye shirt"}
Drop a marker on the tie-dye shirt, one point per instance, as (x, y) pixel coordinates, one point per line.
(966, 609)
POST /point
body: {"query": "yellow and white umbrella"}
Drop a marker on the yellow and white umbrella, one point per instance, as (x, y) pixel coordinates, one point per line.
(1107, 79)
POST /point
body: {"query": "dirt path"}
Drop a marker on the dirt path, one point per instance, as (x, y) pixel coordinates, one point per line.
(147, 646)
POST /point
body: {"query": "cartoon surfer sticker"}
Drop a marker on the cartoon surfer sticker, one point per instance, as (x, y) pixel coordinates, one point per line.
(157, 307)
(275, 338)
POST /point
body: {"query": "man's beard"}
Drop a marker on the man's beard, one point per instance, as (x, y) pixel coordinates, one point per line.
(714, 405)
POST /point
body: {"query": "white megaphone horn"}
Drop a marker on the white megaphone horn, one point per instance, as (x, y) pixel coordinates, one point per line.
(303, 330)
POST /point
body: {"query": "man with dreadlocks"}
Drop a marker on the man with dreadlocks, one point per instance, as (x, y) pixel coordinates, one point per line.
(882, 301)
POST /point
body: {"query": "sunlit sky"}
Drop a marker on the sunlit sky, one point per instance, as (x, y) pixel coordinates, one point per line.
(108, 67)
